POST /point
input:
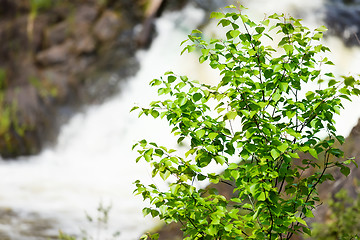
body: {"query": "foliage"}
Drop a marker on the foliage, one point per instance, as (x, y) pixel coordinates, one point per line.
(344, 220)
(37, 5)
(8, 117)
(254, 123)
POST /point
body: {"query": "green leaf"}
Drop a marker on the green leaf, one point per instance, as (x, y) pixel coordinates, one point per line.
(182, 101)
(235, 174)
(228, 227)
(231, 115)
(276, 96)
(212, 230)
(300, 220)
(293, 133)
(259, 29)
(155, 113)
(313, 153)
(282, 148)
(171, 79)
(196, 31)
(217, 15)
(200, 133)
(288, 49)
(211, 148)
(332, 82)
(274, 153)
(321, 29)
(233, 166)
(134, 108)
(213, 135)
(197, 97)
(309, 213)
(349, 81)
(293, 155)
(345, 170)
(220, 159)
(307, 231)
(165, 175)
(261, 197)
(234, 33)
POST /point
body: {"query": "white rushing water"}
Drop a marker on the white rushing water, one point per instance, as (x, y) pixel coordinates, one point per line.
(93, 161)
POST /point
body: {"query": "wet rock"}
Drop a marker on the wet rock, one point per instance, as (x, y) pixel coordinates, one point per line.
(16, 225)
(85, 45)
(56, 54)
(153, 8)
(145, 35)
(56, 84)
(86, 13)
(106, 28)
(22, 35)
(343, 20)
(171, 232)
(23, 135)
(57, 34)
(9, 7)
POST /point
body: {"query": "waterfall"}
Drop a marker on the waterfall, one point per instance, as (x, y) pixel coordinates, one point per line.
(92, 161)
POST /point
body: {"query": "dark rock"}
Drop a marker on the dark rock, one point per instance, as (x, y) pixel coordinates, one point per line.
(85, 45)
(145, 35)
(57, 84)
(9, 7)
(86, 13)
(57, 34)
(26, 225)
(56, 54)
(343, 20)
(106, 28)
(56, 51)
(23, 134)
(171, 232)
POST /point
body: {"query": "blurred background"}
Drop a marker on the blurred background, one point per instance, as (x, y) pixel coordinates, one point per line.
(71, 70)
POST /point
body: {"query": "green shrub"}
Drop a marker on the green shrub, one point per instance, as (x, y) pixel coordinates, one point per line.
(254, 124)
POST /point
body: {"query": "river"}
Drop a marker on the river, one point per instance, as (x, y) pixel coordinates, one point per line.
(92, 161)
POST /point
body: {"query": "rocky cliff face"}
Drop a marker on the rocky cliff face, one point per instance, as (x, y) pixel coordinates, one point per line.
(47, 56)
(59, 54)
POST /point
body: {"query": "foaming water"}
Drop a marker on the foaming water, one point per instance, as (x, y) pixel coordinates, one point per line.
(93, 161)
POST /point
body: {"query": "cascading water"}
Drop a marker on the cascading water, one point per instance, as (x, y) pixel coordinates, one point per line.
(92, 161)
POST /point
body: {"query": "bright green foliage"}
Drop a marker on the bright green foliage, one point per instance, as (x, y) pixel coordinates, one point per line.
(254, 124)
(7, 110)
(344, 221)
